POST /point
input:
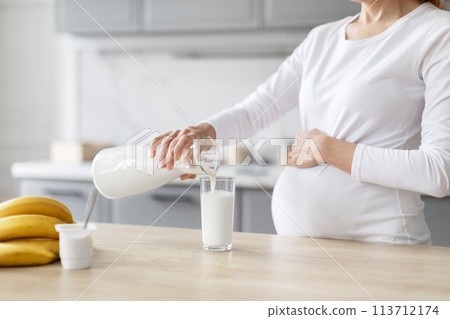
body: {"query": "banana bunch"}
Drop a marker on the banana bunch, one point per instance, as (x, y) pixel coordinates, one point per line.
(27, 230)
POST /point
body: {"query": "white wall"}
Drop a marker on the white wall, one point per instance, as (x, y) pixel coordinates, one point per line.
(117, 98)
(28, 115)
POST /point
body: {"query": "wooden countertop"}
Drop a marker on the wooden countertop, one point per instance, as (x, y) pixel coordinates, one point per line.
(170, 264)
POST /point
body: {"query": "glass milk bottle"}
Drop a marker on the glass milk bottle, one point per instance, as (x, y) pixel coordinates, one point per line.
(125, 171)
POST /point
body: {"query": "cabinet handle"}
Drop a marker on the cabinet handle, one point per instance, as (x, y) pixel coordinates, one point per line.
(172, 198)
(59, 192)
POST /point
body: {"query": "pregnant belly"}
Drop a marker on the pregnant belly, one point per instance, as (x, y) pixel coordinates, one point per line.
(325, 202)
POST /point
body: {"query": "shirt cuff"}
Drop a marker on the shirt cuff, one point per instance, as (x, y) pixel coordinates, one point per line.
(216, 125)
(357, 162)
(223, 124)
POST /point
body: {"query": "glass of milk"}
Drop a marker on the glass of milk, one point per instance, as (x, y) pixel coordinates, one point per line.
(217, 208)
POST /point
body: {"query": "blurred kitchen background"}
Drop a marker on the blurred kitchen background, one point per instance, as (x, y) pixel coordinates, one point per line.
(66, 85)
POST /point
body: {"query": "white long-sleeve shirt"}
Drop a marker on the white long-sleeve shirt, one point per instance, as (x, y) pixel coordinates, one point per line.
(390, 94)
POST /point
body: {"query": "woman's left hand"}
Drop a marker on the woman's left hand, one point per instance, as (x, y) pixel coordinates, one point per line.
(311, 154)
(329, 149)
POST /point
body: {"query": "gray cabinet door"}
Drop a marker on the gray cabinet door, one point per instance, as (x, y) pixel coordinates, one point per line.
(113, 15)
(256, 212)
(437, 215)
(72, 194)
(306, 13)
(162, 203)
(182, 15)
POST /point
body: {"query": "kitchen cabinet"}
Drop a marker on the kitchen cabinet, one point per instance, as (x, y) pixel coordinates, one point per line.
(73, 194)
(257, 216)
(181, 16)
(252, 206)
(437, 215)
(162, 203)
(114, 15)
(142, 209)
(306, 13)
(192, 15)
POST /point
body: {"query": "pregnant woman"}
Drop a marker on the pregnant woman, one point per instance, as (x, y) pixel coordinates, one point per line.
(373, 92)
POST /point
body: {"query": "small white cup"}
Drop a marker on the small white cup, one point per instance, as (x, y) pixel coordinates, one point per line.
(75, 245)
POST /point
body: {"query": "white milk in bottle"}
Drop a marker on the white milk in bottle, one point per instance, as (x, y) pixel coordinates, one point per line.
(117, 176)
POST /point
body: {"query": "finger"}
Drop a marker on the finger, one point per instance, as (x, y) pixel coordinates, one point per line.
(295, 148)
(155, 144)
(187, 176)
(316, 132)
(297, 142)
(301, 135)
(163, 152)
(293, 157)
(165, 143)
(169, 160)
(187, 156)
(181, 136)
(169, 156)
(312, 158)
(290, 155)
(291, 161)
(183, 142)
(175, 142)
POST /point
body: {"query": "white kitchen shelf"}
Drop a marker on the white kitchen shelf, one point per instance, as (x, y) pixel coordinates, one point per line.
(251, 177)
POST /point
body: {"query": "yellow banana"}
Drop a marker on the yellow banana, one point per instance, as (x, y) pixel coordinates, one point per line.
(35, 205)
(28, 252)
(21, 226)
(47, 243)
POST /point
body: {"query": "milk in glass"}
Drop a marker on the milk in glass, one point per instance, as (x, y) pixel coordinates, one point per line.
(217, 211)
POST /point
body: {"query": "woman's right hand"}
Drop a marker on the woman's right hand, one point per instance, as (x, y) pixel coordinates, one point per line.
(174, 143)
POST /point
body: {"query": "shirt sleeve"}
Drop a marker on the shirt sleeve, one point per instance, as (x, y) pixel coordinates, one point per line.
(426, 170)
(277, 95)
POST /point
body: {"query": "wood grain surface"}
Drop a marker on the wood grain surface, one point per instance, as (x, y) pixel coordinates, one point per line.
(170, 264)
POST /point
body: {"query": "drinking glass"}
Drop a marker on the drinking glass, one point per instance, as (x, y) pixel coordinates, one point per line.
(217, 210)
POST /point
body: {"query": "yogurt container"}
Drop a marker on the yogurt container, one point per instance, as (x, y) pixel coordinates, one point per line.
(75, 245)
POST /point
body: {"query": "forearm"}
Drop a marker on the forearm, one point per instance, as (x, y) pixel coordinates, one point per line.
(426, 170)
(336, 152)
